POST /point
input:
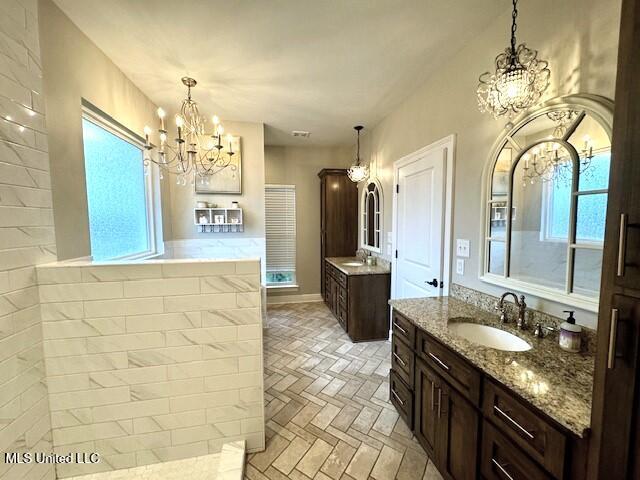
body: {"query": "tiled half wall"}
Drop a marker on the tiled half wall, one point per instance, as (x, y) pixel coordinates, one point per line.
(153, 361)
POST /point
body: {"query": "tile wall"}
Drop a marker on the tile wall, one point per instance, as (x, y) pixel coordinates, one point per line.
(26, 239)
(154, 361)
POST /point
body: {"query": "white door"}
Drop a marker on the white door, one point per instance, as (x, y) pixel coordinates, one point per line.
(420, 213)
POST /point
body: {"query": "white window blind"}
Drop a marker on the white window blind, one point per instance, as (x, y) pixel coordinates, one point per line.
(280, 212)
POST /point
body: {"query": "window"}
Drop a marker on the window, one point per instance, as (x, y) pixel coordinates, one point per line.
(552, 168)
(118, 191)
(280, 213)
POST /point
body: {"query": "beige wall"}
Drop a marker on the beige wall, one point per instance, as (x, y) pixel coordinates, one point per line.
(26, 239)
(299, 166)
(74, 68)
(579, 39)
(184, 198)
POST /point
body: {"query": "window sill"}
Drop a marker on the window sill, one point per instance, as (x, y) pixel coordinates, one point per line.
(283, 288)
(570, 299)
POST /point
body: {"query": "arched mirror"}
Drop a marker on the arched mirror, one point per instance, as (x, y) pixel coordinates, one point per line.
(371, 216)
(547, 200)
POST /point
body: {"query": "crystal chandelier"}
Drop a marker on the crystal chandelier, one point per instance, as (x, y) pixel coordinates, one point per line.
(196, 154)
(550, 161)
(519, 81)
(357, 172)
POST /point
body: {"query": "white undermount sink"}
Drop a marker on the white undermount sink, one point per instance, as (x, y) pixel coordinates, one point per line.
(352, 264)
(489, 337)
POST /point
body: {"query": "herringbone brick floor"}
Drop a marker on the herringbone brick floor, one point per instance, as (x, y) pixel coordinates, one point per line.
(327, 409)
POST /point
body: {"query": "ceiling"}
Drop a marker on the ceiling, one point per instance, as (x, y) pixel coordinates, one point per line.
(317, 65)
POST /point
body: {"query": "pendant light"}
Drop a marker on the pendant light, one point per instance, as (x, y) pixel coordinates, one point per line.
(519, 80)
(357, 172)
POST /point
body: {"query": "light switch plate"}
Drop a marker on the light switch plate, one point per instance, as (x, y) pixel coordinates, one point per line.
(389, 237)
(388, 249)
(462, 248)
(460, 266)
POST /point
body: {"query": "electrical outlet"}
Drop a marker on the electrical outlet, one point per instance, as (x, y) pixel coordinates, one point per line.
(460, 266)
(462, 248)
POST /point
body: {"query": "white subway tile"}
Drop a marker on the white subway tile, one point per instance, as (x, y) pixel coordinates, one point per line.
(161, 287)
(169, 421)
(65, 347)
(52, 275)
(126, 342)
(232, 349)
(249, 332)
(128, 376)
(137, 409)
(217, 383)
(116, 273)
(165, 356)
(203, 368)
(203, 400)
(248, 299)
(62, 311)
(86, 363)
(164, 321)
(68, 383)
(239, 316)
(201, 336)
(248, 266)
(134, 443)
(129, 306)
(234, 412)
(198, 269)
(148, 391)
(94, 431)
(185, 303)
(230, 283)
(88, 398)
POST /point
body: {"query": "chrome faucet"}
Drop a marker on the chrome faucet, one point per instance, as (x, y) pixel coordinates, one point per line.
(521, 323)
(362, 254)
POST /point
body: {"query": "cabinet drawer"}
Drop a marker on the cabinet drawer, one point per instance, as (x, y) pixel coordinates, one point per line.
(401, 397)
(402, 360)
(342, 317)
(342, 278)
(403, 328)
(525, 428)
(457, 371)
(342, 296)
(503, 460)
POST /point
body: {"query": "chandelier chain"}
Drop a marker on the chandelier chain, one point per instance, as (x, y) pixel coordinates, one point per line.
(514, 26)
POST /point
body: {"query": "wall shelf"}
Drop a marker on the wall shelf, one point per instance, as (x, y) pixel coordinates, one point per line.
(219, 220)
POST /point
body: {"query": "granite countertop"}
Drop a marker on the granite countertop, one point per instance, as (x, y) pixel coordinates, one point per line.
(557, 382)
(364, 269)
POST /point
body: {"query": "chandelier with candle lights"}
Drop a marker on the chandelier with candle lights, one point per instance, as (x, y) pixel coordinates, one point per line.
(196, 154)
(519, 79)
(550, 161)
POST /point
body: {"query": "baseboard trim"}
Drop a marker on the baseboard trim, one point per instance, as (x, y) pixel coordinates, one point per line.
(302, 298)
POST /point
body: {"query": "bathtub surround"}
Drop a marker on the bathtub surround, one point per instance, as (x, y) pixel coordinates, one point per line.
(152, 361)
(26, 239)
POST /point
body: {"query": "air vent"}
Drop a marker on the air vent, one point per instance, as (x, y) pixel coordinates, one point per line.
(300, 133)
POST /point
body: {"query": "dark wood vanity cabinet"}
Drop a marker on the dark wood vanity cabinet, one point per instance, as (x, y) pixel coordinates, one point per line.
(471, 426)
(359, 302)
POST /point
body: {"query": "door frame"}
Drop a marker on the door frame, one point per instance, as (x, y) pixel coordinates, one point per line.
(448, 143)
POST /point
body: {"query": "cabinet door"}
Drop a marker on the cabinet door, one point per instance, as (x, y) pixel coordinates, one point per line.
(427, 394)
(458, 426)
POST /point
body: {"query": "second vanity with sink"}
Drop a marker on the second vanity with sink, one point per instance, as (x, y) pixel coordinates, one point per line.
(357, 294)
(485, 399)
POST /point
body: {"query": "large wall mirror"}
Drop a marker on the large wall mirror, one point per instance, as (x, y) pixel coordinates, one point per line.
(546, 201)
(371, 216)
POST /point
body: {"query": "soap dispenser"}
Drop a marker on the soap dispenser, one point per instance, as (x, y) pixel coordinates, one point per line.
(570, 334)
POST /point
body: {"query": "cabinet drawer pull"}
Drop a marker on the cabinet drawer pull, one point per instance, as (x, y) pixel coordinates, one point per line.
(393, 392)
(501, 468)
(622, 244)
(395, 324)
(433, 396)
(613, 334)
(513, 422)
(402, 362)
(438, 361)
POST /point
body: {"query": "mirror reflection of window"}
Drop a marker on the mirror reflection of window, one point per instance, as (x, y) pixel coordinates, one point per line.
(547, 201)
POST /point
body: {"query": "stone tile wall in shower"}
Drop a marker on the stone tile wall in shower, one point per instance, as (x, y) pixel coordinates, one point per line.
(26, 239)
(152, 361)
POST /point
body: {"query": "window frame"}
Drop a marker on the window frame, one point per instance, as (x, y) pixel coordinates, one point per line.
(102, 120)
(601, 109)
(293, 284)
